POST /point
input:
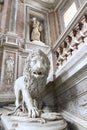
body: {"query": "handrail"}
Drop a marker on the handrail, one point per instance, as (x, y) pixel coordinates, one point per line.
(74, 35)
(72, 24)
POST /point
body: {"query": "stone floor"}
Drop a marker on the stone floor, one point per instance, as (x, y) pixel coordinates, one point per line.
(4, 110)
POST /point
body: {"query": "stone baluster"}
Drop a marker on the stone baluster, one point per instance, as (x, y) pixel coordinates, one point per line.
(60, 58)
(70, 47)
(80, 35)
(57, 55)
(65, 49)
(84, 29)
(74, 42)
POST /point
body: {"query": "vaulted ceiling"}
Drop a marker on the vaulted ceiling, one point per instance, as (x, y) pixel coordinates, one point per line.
(48, 4)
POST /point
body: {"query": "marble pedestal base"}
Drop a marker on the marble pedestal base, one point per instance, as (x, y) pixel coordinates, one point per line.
(10, 124)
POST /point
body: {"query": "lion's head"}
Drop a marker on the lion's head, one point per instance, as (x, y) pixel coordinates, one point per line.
(37, 65)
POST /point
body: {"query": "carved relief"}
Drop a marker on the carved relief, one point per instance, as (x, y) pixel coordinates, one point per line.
(9, 66)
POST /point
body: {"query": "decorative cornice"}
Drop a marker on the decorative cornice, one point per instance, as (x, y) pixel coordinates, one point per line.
(37, 5)
(42, 5)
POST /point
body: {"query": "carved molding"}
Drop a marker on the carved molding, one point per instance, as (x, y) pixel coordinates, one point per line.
(76, 122)
(76, 79)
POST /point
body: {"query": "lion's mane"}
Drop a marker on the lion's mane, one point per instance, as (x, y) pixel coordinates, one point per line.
(36, 85)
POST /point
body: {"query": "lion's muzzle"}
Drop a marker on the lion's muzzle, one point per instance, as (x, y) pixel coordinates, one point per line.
(38, 74)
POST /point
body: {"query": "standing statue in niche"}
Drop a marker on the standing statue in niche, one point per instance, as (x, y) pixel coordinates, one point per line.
(9, 62)
(37, 28)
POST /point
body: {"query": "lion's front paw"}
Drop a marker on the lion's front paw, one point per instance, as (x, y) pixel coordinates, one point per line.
(33, 112)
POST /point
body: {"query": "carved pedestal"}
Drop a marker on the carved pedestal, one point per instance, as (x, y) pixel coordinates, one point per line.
(10, 124)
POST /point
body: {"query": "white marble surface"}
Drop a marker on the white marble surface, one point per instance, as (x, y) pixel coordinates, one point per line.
(36, 45)
(21, 125)
(76, 123)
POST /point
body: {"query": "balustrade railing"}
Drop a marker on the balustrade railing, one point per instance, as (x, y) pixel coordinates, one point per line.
(73, 37)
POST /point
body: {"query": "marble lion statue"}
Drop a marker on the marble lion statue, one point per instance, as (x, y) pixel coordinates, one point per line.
(28, 87)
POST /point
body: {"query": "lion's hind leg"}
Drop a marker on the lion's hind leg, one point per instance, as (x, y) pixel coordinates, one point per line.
(18, 94)
(18, 102)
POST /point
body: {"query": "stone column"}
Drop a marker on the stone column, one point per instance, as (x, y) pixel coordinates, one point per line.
(53, 27)
(13, 16)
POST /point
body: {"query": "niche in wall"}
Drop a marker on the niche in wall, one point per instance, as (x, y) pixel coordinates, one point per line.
(31, 16)
(40, 27)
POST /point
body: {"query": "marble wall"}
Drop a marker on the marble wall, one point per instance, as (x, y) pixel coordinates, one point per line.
(13, 46)
(9, 71)
(73, 97)
(71, 89)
